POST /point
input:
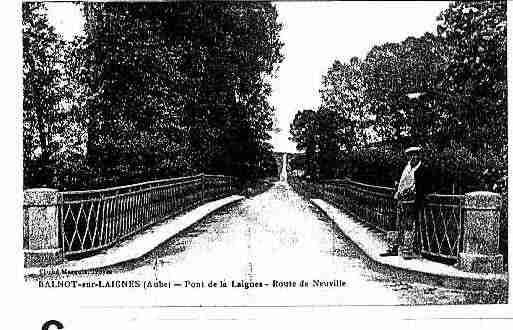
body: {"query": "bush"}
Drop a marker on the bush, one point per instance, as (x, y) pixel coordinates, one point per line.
(457, 170)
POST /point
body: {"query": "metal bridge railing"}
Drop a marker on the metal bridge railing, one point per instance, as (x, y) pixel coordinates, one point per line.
(440, 225)
(373, 204)
(96, 219)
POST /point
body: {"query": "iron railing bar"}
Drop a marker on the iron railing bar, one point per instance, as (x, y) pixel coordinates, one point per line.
(358, 189)
(88, 219)
(105, 190)
(440, 255)
(96, 222)
(125, 194)
(103, 222)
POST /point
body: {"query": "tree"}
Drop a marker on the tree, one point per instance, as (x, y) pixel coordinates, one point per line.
(134, 100)
(304, 131)
(178, 88)
(245, 53)
(391, 72)
(328, 124)
(44, 117)
(474, 34)
(342, 93)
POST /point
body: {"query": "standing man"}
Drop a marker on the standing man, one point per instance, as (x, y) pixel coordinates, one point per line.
(413, 186)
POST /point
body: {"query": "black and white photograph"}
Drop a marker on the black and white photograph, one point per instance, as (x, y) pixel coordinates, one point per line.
(264, 154)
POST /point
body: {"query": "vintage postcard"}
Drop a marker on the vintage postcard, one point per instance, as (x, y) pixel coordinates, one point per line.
(237, 156)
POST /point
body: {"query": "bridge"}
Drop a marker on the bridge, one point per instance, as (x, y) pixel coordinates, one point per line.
(286, 234)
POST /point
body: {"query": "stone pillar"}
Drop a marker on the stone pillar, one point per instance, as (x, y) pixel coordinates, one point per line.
(480, 251)
(41, 228)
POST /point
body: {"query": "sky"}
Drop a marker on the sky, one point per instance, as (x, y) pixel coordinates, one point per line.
(66, 18)
(317, 33)
(314, 34)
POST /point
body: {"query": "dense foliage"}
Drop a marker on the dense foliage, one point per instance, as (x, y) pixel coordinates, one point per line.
(445, 92)
(44, 117)
(158, 90)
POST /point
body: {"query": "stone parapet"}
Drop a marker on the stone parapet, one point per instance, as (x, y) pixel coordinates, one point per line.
(480, 250)
(41, 227)
(480, 263)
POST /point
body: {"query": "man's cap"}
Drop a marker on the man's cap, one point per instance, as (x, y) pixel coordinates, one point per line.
(412, 149)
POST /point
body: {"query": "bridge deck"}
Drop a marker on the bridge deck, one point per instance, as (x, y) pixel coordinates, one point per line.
(274, 239)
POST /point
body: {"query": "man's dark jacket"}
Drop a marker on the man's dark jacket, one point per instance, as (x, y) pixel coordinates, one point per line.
(424, 185)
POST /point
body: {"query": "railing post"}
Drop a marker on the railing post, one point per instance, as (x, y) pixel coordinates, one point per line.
(202, 187)
(480, 251)
(41, 227)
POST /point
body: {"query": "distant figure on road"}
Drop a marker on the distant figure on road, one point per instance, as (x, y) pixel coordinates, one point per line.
(414, 185)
